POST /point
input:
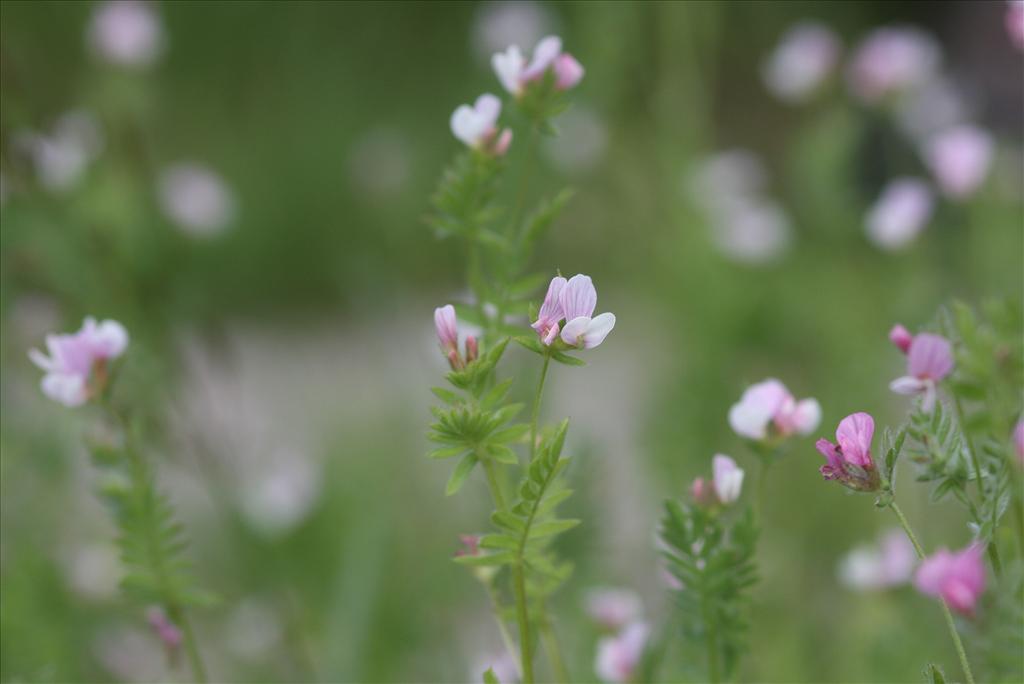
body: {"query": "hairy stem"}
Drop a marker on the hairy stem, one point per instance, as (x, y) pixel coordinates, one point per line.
(536, 406)
(945, 608)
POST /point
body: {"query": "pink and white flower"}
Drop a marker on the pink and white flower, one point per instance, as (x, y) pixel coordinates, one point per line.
(929, 360)
(960, 158)
(550, 314)
(76, 369)
(582, 329)
(196, 199)
(957, 578)
(516, 74)
(889, 563)
(613, 609)
(619, 657)
(900, 213)
(849, 459)
(126, 32)
(769, 404)
(477, 125)
(892, 60)
(802, 60)
(727, 478)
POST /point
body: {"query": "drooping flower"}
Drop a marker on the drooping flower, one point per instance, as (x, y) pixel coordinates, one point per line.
(900, 213)
(582, 329)
(892, 60)
(76, 369)
(803, 59)
(901, 337)
(929, 360)
(126, 32)
(195, 199)
(550, 314)
(957, 578)
(727, 478)
(613, 609)
(889, 563)
(618, 657)
(959, 158)
(849, 460)
(516, 74)
(477, 125)
(769, 403)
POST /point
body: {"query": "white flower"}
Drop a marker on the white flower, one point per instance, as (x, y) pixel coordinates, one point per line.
(727, 478)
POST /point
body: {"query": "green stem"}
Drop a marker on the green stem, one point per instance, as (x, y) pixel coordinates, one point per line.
(945, 608)
(523, 618)
(536, 405)
(195, 661)
(712, 641)
(491, 472)
(993, 552)
(551, 645)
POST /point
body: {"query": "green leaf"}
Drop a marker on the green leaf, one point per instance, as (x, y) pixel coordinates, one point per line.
(549, 528)
(459, 475)
(490, 677)
(564, 358)
(498, 541)
(446, 395)
(495, 394)
(501, 558)
(447, 452)
(508, 521)
(510, 433)
(502, 454)
(933, 674)
(530, 342)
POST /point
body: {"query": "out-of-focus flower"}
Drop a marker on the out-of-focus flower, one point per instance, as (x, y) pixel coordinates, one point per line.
(934, 106)
(550, 313)
(76, 369)
(92, 571)
(166, 631)
(61, 156)
(498, 24)
(582, 328)
(849, 460)
(752, 230)
(581, 142)
(901, 337)
(195, 199)
(1018, 440)
(619, 656)
(503, 665)
(1015, 22)
(252, 630)
(516, 74)
(804, 58)
(477, 125)
(726, 175)
(769, 403)
(959, 158)
(379, 164)
(957, 578)
(277, 496)
(470, 545)
(126, 32)
(613, 609)
(929, 360)
(446, 325)
(901, 212)
(890, 563)
(727, 478)
(892, 60)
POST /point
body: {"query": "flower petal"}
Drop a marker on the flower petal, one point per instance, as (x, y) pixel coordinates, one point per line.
(907, 385)
(930, 356)
(598, 329)
(543, 55)
(574, 330)
(854, 436)
(508, 66)
(579, 297)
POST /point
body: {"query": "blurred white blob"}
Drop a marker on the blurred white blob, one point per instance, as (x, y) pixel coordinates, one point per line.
(613, 608)
(892, 60)
(498, 25)
(252, 630)
(195, 199)
(126, 32)
(93, 571)
(379, 163)
(278, 495)
(504, 666)
(804, 58)
(890, 563)
(900, 213)
(718, 179)
(130, 654)
(959, 158)
(935, 106)
(62, 156)
(581, 141)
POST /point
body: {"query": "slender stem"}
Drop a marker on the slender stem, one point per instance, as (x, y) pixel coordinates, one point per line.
(490, 470)
(712, 641)
(536, 405)
(551, 645)
(993, 552)
(195, 661)
(519, 587)
(945, 608)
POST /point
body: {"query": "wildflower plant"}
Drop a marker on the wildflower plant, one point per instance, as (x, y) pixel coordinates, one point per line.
(477, 423)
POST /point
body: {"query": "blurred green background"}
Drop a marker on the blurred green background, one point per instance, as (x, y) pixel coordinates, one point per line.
(284, 358)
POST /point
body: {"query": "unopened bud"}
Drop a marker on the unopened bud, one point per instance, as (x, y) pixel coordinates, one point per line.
(472, 349)
(455, 361)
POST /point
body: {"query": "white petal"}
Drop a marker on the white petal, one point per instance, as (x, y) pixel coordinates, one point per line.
(907, 385)
(40, 359)
(487, 107)
(508, 66)
(463, 123)
(110, 339)
(748, 420)
(574, 329)
(69, 390)
(808, 416)
(598, 329)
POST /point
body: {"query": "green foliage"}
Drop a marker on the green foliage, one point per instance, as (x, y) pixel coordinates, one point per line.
(933, 674)
(490, 677)
(999, 637)
(713, 558)
(464, 200)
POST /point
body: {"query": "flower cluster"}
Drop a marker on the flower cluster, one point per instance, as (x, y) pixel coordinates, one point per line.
(77, 368)
(768, 410)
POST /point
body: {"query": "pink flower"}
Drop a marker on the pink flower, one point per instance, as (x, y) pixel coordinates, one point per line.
(618, 657)
(956, 578)
(470, 545)
(168, 633)
(770, 403)
(803, 59)
(126, 32)
(727, 478)
(579, 299)
(196, 199)
(76, 369)
(849, 461)
(901, 337)
(446, 324)
(1015, 22)
(613, 609)
(959, 158)
(889, 564)
(892, 60)
(900, 213)
(1018, 439)
(477, 125)
(550, 313)
(515, 74)
(929, 360)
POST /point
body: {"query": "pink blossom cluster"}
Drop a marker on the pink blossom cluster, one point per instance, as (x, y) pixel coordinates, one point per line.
(77, 367)
(957, 578)
(619, 656)
(568, 313)
(768, 409)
